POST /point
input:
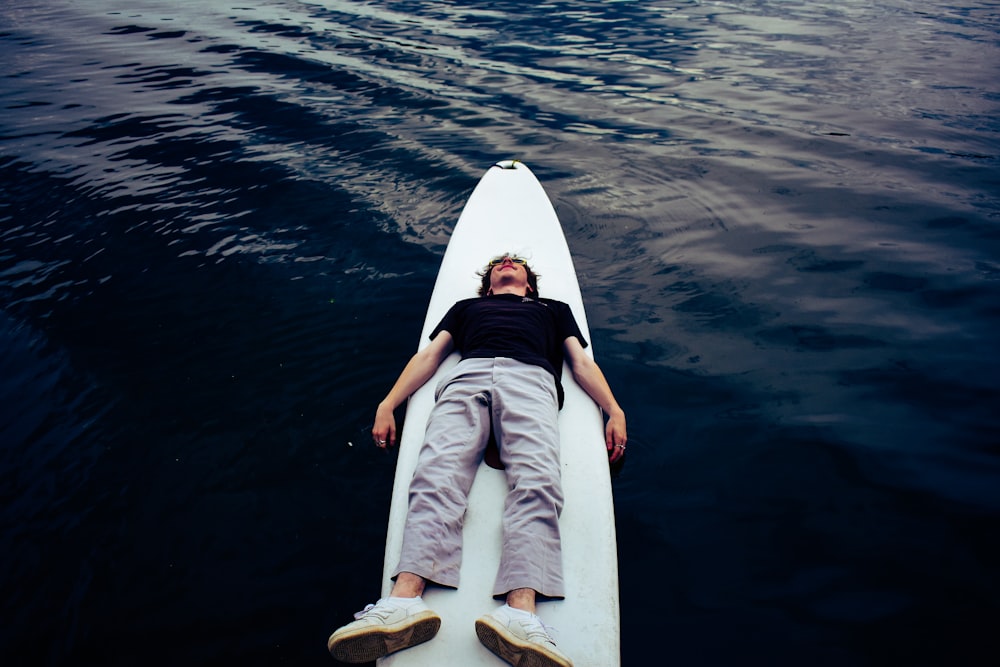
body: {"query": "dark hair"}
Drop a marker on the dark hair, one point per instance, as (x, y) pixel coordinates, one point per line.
(484, 285)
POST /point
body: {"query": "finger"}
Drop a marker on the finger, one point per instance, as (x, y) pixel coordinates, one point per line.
(614, 453)
(617, 451)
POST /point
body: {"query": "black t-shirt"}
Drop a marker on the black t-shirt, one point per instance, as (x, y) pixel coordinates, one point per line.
(529, 330)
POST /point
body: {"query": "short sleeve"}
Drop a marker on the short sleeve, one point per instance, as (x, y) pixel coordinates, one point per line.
(451, 322)
(568, 327)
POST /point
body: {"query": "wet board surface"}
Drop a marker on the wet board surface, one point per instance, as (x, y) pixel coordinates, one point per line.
(509, 212)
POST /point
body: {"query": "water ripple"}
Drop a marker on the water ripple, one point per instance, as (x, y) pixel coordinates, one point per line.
(219, 227)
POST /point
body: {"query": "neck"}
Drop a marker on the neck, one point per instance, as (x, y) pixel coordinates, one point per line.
(510, 289)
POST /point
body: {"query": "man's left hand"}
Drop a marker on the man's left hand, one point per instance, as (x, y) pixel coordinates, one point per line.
(615, 436)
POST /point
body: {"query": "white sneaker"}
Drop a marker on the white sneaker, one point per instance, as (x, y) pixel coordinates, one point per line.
(520, 640)
(383, 628)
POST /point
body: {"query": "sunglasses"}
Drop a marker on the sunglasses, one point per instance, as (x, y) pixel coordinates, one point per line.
(513, 258)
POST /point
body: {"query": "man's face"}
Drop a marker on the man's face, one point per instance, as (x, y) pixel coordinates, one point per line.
(508, 270)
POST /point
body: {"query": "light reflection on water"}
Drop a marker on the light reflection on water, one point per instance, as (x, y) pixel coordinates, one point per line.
(219, 228)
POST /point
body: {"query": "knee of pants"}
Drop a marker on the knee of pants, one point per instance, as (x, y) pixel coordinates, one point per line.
(442, 505)
(540, 473)
(541, 498)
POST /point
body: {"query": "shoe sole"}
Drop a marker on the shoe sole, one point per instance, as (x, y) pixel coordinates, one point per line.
(508, 647)
(370, 644)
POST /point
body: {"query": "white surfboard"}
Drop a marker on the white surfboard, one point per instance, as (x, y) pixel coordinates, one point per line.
(510, 212)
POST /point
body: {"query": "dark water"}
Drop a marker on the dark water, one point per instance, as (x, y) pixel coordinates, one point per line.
(220, 224)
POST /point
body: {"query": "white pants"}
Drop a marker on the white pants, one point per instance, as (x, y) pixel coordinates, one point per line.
(520, 401)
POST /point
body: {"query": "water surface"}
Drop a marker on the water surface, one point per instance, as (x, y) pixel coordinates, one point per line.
(220, 224)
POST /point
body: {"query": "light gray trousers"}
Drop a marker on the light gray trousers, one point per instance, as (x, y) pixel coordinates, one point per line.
(520, 401)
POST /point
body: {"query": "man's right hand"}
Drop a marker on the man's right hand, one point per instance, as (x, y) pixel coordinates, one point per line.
(384, 430)
(418, 370)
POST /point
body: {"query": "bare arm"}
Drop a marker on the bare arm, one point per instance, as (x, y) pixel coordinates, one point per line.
(417, 371)
(589, 376)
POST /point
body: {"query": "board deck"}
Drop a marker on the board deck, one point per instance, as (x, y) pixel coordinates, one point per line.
(509, 212)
